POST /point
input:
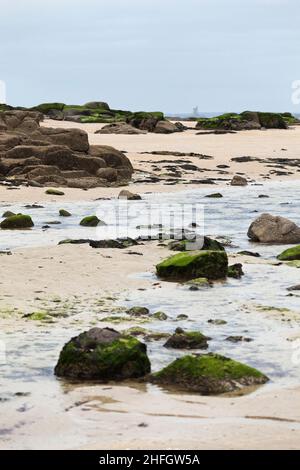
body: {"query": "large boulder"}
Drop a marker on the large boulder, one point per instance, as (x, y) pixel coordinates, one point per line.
(103, 354)
(268, 228)
(166, 127)
(194, 264)
(75, 139)
(208, 374)
(18, 221)
(145, 121)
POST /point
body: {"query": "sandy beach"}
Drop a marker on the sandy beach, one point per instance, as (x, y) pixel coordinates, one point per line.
(92, 284)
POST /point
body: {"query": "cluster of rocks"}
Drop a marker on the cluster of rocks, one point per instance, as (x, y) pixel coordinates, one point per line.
(42, 156)
(104, 354)
(142, 125)
(248, 120)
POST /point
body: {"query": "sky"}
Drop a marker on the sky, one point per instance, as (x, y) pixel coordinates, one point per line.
(169, 55)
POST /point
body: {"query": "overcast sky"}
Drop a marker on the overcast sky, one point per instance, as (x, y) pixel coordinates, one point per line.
(169, 55)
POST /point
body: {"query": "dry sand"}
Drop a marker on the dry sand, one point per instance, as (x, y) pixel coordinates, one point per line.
(30, 277)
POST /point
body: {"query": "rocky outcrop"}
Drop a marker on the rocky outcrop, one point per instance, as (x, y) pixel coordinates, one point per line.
(56, 157)
(268, 228)
(248, 120)
(103, 354)
(208, 374)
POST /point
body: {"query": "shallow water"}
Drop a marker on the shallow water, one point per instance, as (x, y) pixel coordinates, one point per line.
(32, 353)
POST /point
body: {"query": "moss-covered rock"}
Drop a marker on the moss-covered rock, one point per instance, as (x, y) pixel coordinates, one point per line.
(194, 264)
(8, 214)
(290, 254)
(54, 192)
(209, 374)
(64, 213)
(19, 221)
(199, 283)
(161, 316)
(235, 271)
(185, 245)
(138, 311)
(103, 354)
(187, 340)
(91, 221)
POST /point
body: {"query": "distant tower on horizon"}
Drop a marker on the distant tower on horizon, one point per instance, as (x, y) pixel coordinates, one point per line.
(196, 111)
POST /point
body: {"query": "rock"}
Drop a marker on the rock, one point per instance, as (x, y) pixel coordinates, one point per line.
(235, 271)
(54, 192)
(274, 229)
(103, 354)
(64, 213)
(238, 339)
(238, 180)
(7, 214)
(182, 316)
(214, 195)
(74, 139)
(109, 174)
(120, 128)
(166, 127)
(91, 221)
(138, 311)
(97, 105)
(161, 316)
(145, 121)
(209, 374)
(187, 340)
(249, 253)
(186, 245)
(217, 322)
(290, 254)
(190, 265)
(294, 288)
(199, 283)
(19, 221)
(118, 243)
(124, 194)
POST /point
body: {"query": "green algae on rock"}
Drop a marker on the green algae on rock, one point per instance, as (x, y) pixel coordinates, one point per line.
(290, 254)
(161, 316)
(138, 311)
(91, 221)
(19, 221)
(64, 213)
(208, 374)
(54, 192)
(187, 340)
(207, 244)
(103, 354)
(235, 271)
(194, 264)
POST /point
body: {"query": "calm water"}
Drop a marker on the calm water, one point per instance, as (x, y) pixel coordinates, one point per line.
(32, 352)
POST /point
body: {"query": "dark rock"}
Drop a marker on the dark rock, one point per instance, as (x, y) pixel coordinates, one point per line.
(187, 340)
(103, 354)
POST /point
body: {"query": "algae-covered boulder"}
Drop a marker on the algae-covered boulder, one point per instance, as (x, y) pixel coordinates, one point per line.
(235, 271)
(8, 214)
(64, 213)
(91, 221)
(138, 311)
(19, 221)
(194, 264)
(187, 340)
(208, 374)
(290, 254)
(103, 354)
(54, 192)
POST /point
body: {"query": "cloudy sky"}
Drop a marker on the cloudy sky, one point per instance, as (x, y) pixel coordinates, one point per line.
(169, 55)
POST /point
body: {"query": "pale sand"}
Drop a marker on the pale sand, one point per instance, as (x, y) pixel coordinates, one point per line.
(266, 419)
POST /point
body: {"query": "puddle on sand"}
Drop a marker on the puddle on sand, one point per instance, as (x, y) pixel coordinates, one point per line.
(33, 352)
